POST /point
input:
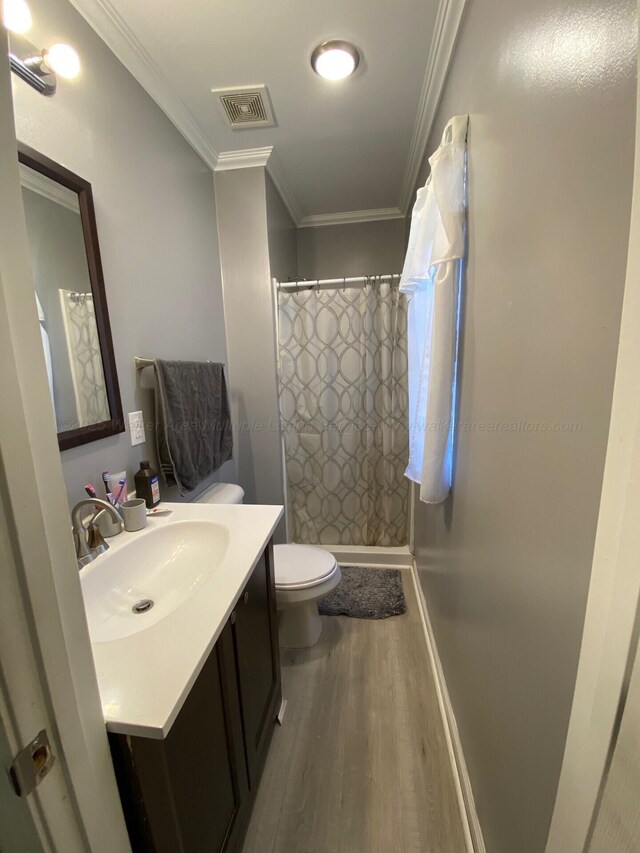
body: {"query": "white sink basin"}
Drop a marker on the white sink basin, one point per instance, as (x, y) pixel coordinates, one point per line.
(165, 566)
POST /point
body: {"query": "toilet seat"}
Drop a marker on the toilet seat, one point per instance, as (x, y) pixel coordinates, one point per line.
(301, 566)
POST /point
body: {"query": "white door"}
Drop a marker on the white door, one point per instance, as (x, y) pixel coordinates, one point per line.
(17, 829)
(617, 820)
(44, 820)
(47, 677)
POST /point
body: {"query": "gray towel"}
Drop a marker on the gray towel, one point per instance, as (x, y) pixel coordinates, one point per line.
(193, 422)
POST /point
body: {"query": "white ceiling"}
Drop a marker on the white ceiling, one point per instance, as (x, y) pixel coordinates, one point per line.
(339, 147)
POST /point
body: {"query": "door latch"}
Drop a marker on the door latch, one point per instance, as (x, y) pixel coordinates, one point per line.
(32, 764)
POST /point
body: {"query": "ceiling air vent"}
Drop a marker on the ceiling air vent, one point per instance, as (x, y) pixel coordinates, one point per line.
(246, 106)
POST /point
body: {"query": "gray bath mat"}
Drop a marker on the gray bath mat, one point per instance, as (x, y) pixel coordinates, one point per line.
(365, 594)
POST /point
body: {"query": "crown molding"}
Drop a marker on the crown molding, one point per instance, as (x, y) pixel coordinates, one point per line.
(248, 158)
(350, 217)
(37, 183)
(245, 158)
(114, 32)
(442, 46)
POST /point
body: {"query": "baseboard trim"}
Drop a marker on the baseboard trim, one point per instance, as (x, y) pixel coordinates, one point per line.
(373, 557)
(354, 565)
(472, 828)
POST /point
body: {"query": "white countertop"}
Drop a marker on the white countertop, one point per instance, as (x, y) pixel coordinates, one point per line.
(144, 678)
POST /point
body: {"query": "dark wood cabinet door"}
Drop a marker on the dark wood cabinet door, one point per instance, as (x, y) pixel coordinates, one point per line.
(184, 793)
(255, 632)
(193, 791)
(201, 766)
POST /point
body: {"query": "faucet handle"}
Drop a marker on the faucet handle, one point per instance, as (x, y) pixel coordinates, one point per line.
(89, 542)
(95, 540)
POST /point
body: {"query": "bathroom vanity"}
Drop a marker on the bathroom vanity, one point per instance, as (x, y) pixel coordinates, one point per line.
(190, 701)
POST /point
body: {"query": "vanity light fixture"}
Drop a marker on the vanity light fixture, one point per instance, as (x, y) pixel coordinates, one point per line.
(62, 59)
(16, 16)
(335, 59)
(36, 67)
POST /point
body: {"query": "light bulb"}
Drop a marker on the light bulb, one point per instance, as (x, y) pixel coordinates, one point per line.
(16, 16)
(335, 60)
(335, 65)
(63, 60)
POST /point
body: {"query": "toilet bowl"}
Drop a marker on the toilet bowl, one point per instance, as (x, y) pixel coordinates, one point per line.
(303, 574)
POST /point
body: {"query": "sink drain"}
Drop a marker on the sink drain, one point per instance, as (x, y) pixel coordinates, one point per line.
(142, 606)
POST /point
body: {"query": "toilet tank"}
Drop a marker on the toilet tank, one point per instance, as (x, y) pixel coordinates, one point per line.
(221, 493)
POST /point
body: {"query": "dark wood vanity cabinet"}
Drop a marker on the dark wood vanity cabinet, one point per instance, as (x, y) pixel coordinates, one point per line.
(193, 791)
(255, 636)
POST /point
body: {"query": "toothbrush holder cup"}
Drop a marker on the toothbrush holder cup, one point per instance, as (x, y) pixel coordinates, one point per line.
(134, 513)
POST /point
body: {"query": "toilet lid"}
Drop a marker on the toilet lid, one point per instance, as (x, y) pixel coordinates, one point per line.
(300, 566)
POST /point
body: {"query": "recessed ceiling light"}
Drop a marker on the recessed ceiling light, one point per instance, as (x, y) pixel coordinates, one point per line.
(335, 60)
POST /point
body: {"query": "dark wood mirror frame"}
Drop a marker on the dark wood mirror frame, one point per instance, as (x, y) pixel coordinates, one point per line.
(50, 169)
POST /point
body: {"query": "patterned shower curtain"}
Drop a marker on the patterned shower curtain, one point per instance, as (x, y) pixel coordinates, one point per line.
(85, 358)
(343, 409)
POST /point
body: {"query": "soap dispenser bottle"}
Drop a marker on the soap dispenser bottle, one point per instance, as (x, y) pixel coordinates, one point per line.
(147, 485)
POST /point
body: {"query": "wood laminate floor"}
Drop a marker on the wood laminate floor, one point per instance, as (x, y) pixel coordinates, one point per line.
(360, 764)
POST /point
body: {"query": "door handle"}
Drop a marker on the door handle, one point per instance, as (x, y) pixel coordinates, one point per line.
(245, 597)
(232, 618)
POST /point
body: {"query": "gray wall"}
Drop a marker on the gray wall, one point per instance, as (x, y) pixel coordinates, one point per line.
(283, 261)
(156, 223)
(362, 248)
(246, 242)
(505, 562)
(282, 236)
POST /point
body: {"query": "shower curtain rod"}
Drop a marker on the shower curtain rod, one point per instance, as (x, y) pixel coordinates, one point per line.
(313, 284)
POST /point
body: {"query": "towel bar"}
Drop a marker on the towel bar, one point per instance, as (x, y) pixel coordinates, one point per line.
(141, 363)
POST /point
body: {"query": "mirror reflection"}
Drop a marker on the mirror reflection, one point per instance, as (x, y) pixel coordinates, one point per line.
(65, 302)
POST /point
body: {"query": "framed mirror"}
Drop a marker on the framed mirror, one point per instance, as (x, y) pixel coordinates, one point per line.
(71, 300)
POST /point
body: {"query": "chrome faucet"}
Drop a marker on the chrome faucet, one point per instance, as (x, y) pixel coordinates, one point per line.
(89, 541)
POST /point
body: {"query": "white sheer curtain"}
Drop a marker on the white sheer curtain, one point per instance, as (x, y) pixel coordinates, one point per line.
(431, 280)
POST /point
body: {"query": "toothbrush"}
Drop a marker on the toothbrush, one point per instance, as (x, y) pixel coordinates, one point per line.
(91, 492)
(107, 487)
(122, 483)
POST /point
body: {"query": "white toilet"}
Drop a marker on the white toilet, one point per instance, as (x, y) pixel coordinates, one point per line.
(303, 574)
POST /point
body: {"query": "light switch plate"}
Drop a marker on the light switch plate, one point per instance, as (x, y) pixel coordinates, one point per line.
(136, 428)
